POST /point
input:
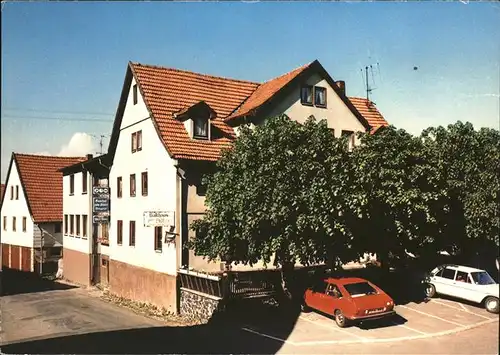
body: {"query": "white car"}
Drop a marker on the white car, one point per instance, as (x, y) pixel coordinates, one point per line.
(464, 282)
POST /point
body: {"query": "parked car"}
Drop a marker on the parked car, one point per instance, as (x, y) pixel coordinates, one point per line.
(464, 282)
(348, 300)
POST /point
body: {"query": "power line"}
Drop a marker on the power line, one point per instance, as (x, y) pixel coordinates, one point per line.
(61, 112)
(58, 118)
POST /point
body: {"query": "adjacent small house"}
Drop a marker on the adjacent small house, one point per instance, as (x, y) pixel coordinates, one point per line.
(84, 239)
(31, 212)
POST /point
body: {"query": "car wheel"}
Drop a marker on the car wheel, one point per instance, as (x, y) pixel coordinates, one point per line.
(340, 319)
(491, 304)
(430, 290)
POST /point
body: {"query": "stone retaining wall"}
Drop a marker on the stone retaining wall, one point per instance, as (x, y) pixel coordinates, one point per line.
(198, 306)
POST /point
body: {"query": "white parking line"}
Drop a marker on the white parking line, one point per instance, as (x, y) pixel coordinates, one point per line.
(461, 305)
(266, 335)
(433, 316)
(331, 327)
(392, 340)
(458, 309)
(406, 327)
(376, 340)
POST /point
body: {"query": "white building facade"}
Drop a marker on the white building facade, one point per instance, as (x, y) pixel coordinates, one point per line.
(32, 213)
(169, 129)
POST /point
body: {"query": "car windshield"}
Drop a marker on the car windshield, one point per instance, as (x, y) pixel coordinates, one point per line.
(360, 289)
(482, 278)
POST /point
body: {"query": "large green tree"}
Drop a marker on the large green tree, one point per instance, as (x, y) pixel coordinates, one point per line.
(396, 195)
(279, 192)
(468, 169)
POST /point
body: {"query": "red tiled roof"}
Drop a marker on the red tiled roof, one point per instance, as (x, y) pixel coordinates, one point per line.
(265, 91)
(166, 91)
(42, 183)
(370, 112)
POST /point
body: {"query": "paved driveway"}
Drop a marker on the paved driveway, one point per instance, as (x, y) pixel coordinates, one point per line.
(44, 317)
(56, 320)
(37, 315)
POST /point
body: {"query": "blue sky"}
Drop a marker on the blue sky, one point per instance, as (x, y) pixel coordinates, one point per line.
(68, 59)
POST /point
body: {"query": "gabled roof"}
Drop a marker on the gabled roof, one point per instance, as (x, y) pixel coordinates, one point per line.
(2, 190)
(42, 183)
(265, 91)
(270, 90)
(92, 164)
(167, 91)
(369, 111)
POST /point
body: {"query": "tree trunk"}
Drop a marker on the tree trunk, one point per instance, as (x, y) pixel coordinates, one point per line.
(286, 287)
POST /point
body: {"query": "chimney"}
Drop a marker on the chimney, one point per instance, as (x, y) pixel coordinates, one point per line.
(341, 85)
(89, 156)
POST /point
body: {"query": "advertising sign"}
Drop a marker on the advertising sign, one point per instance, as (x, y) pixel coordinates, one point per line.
(100, 218)
(159, 218)
(100, 204)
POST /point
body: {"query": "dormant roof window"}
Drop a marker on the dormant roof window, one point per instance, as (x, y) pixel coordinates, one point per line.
(196, 119)
(200, 127)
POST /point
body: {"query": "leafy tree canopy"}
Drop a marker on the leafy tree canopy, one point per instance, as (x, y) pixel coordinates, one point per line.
(468, 169)
(279, 191)
(396, 193)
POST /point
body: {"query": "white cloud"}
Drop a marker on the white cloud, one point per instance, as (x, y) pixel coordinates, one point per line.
(42, 153)
(79, 145)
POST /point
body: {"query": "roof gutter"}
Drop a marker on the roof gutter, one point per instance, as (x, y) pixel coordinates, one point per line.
(99, 160)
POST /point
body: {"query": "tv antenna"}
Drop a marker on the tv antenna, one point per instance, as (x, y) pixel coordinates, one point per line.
(368, 70)
(101, 142)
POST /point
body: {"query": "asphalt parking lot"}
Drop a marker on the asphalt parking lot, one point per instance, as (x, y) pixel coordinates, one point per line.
(428, 319)
(41, 317)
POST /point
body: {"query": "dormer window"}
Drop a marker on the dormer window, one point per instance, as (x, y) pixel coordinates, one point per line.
(196, 119)
(200, 128)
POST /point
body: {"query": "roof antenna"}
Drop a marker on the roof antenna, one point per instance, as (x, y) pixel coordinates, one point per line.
(365, 75)
(101, 143)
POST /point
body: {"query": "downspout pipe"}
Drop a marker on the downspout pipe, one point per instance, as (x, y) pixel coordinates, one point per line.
(41, 248)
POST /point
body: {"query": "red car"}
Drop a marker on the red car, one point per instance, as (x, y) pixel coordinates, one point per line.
(348, 300)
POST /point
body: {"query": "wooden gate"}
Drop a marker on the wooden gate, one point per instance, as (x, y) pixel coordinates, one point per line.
(15, 260)
(5, 255)
(26, 259)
